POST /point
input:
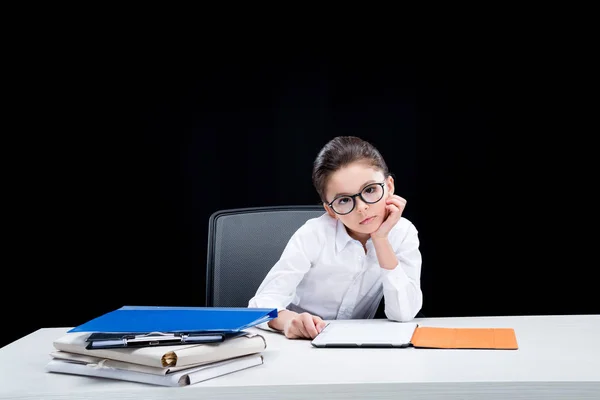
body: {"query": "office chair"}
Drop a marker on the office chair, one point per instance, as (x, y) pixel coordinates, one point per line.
(243, 245)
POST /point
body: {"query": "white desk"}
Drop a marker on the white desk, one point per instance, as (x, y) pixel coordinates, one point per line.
(558, 358)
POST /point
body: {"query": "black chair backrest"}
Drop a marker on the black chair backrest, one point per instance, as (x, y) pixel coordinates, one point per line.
(243, 245)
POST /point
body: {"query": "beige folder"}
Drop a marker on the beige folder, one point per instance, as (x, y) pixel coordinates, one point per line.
(166, 356)
(183, 377)
(122, 365)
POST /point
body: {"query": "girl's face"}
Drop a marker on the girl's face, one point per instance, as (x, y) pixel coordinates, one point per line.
(346, 182)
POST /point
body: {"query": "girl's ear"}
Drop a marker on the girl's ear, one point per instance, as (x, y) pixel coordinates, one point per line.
(390, 185)
(329, 211)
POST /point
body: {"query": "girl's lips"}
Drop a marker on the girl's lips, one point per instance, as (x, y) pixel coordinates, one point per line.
(367, 220)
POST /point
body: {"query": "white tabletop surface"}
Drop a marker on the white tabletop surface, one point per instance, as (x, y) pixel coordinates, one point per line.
(558, 358)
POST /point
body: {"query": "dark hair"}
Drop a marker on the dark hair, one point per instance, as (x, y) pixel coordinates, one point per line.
(340, 152)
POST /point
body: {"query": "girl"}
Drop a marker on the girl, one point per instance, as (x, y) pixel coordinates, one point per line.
(340, 265)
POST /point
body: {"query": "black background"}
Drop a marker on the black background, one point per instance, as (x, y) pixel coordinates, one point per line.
(119, 151)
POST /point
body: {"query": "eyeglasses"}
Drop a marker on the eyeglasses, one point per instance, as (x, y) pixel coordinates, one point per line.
(370, 194)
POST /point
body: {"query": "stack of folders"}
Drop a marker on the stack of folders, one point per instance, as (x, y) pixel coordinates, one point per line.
(166, 346)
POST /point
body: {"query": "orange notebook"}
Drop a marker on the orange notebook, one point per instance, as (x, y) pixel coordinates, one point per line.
(464, 338)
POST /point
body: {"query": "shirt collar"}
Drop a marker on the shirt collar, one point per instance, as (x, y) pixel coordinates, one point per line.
(341, 236)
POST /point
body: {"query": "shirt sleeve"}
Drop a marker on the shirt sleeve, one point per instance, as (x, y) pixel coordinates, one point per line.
(402, 285)
(278, 289)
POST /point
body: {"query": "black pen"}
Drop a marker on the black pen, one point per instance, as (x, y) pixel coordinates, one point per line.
(156, 338)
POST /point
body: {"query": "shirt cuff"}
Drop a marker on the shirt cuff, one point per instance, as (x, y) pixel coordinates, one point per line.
(265, 325)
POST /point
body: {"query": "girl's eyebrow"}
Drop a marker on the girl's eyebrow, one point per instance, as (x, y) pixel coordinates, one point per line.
(361, 188)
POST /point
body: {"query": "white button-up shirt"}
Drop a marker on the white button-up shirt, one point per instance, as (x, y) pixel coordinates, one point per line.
(325, 272)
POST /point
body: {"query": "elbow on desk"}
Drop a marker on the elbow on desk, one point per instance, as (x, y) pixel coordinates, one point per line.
(401, 316)
(404, 314)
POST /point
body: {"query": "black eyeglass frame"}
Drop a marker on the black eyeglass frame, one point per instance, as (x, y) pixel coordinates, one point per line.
(359, 194)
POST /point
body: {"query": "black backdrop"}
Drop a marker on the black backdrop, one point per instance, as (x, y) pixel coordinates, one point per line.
(122, 154)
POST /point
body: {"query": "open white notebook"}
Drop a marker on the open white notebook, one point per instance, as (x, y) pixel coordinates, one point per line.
(368, 334)
(385, 333)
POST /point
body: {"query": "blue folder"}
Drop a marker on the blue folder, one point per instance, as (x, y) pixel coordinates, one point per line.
(144, 319)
